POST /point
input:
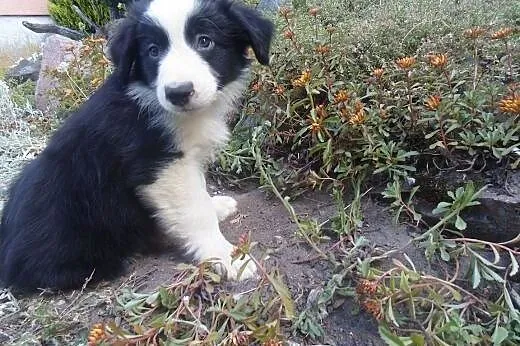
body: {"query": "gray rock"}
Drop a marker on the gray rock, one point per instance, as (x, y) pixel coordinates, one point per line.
(269, 5)
(496, 219)
(24, 70)
(57, 53)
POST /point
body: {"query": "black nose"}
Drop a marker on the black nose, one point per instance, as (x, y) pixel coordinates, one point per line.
(179, 93)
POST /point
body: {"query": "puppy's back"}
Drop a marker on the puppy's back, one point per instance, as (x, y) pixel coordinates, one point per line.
(74, 211)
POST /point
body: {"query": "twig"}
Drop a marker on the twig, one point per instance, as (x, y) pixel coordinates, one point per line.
(86, 19)
(287, 205)
(54, 29)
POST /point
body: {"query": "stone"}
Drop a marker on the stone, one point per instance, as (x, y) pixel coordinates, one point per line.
(496, 219)
(24, 70)
(57, 53)
(268, 5)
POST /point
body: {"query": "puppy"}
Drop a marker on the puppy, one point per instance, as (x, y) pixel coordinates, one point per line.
(126, 171)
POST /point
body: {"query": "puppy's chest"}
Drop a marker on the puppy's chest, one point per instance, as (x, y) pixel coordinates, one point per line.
(200, 138)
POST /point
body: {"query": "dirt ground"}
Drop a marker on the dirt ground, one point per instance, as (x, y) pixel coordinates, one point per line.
(47, 317)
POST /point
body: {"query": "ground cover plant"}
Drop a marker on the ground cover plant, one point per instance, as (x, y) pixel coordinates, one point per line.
(361, 99)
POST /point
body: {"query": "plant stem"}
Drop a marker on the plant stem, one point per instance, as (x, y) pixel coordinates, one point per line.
(286, 204)
(509, 59)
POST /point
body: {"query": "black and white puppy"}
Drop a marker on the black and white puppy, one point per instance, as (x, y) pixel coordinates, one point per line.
(127, 168)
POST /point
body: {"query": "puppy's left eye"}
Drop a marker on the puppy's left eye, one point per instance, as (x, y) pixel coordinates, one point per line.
(204, 42)
(153, 51)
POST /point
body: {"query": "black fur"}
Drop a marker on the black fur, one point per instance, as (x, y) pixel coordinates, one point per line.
(74, 210)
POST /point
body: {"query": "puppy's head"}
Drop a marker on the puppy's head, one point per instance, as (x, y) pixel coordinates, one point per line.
(185, 53)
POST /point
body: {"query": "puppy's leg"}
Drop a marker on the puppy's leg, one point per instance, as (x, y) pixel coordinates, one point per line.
(224, 206)
(187, 213)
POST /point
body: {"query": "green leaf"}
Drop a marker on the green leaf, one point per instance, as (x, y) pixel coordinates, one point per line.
(403, 285)
(514, 265)
(460, 223)
(499, 335)
(284, 294)
(417, 339)
(513, 312)
(390, 338)
(390, 313)
(476, 275)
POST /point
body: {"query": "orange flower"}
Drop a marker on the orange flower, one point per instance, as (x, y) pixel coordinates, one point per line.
(502, 34)
(322, 49)
(510, 104)
(438, 60)
(341, 96)
(474, 33)
(358, 117)
(315, 127)
(289, 34)
(314, 11)
(96, 334)
(373, 308)
(378, 73)
(366, 287)
(433, 102)
(406, 62)
(303, 80)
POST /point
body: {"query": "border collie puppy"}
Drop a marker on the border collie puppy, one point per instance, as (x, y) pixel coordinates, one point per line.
(126, 171)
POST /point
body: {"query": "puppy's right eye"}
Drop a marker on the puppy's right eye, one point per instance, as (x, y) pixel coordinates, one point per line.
(153, 51)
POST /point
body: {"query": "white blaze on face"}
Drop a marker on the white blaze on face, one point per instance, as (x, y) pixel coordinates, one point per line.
(181, 63)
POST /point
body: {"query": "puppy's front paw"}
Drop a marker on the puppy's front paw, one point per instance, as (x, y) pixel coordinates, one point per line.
(235, 272)
(224, 206)
(242, 268)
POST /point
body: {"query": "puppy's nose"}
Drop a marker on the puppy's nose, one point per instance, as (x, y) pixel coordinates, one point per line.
(179, 93)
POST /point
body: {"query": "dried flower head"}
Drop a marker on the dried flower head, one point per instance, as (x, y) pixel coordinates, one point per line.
(284, 11)
(322, 49)
(474, 33)
(341, 96)
(321, 112)
(239, 338)
(314, 11)
(406, 62)
(433, 102)
(510, 104)
(378, 73)
(273, 342)
(330, 29)
(502, 34)
(96, 334)
(289, 34)
(256, 86)
(303, 80)
(438, 60)
(279, 90)
(383, 112)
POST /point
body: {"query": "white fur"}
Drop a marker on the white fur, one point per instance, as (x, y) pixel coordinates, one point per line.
(183, 206)
(224, 206)
(181, 63)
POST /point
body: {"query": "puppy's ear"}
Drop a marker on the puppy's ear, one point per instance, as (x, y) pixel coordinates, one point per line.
(123, 48)
(258, 30)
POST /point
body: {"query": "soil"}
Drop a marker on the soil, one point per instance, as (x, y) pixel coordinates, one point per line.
(269, 223)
